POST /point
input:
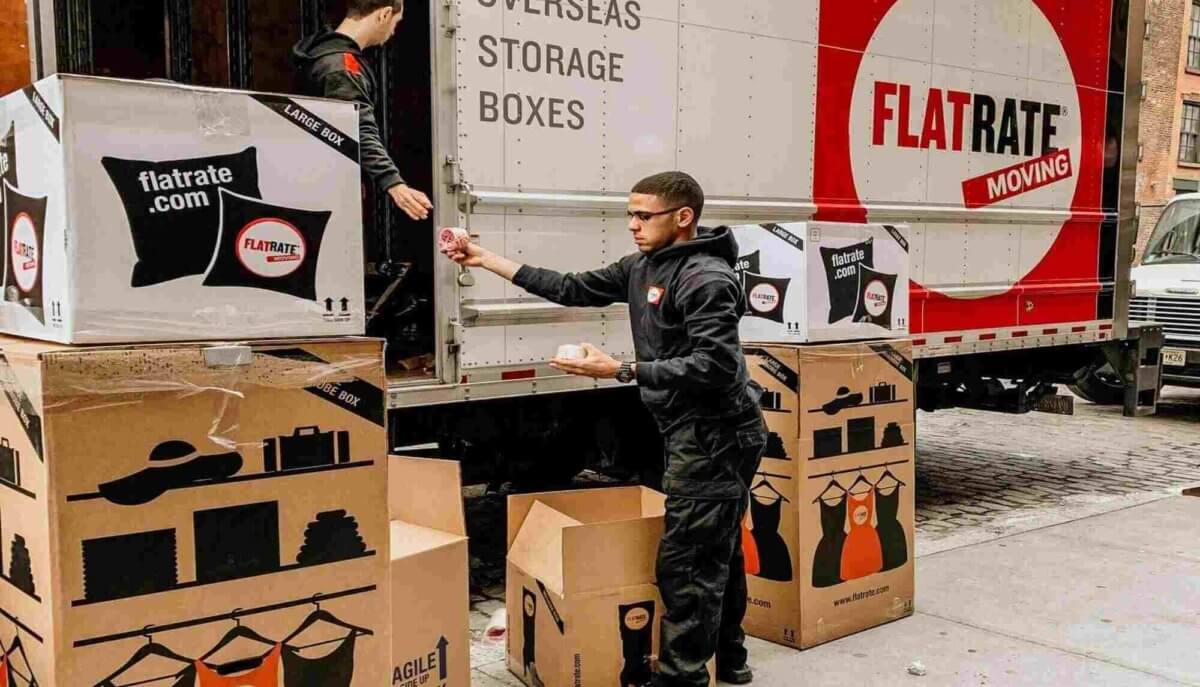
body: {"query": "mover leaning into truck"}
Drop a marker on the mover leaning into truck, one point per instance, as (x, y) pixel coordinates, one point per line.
(685, 304)
(331, 64)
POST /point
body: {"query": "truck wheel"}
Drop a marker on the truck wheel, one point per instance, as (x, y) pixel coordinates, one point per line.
(1100, 385)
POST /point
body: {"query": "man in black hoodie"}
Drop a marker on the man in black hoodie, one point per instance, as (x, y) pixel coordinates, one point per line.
(684, 306)
(331, 64)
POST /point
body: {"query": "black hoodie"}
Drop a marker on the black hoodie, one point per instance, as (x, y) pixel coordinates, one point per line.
(685, 303)
(332, 65)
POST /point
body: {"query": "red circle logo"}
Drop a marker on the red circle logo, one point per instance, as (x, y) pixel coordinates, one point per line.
(271, 248)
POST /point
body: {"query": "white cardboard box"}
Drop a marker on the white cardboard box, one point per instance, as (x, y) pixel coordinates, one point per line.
(811, 282)
(138, 211)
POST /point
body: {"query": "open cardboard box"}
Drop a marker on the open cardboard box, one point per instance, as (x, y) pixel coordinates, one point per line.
(583, 607)
(431, 639)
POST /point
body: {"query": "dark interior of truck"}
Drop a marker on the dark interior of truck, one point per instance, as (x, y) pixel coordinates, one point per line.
(248, 44)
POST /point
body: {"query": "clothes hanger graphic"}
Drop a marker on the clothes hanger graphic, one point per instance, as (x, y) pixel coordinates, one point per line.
(861, 480)
(321, 615)
(832, 484)
(238, 631)
(767, 483)
(887, 472)
(148, 650)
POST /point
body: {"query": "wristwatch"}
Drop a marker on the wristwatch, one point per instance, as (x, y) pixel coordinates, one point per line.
(625, 375)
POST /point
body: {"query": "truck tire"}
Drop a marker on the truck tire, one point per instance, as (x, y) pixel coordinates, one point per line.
(1100, 385)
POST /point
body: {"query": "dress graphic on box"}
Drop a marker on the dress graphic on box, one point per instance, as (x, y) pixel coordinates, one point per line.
(827, 562)
(892, 539)
(774, 559)
(750, 550)
(528, 623)
(265, 675)
(862, 553)
(335, 669)
(637, 643)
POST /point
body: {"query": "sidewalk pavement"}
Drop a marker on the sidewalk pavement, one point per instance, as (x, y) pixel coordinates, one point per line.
(1112, 599)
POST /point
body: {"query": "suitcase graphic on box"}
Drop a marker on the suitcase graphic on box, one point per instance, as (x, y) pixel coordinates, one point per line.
(306, 447)
(10, 463)
(883, 393)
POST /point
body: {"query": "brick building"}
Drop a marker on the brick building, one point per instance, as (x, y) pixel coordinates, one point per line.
(1169, 127)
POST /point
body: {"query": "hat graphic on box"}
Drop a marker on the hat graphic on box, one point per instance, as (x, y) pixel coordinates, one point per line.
(173, 465)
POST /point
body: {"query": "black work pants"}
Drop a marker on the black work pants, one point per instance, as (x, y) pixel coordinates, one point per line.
(710, 463)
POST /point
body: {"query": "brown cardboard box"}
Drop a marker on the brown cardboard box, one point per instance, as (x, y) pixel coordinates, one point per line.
(830, 549)
(583, 607)
(177, 492)
(431, 634)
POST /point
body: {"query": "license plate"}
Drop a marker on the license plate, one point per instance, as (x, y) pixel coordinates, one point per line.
(1056, 405)
(1174, 357)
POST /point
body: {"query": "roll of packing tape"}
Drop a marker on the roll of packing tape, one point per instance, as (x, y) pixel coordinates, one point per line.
(571, 352)
(452, 238)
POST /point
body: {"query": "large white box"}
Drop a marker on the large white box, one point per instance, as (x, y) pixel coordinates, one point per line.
(138, 211)
(812, 282)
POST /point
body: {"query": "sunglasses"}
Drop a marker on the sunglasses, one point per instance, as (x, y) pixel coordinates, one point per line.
(643, 216)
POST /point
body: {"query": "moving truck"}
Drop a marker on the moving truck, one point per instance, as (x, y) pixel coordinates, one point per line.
(999, 131)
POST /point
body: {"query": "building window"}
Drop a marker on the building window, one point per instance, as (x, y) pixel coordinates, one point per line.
(1194, 38)
(1189, 134)
(1186, 185)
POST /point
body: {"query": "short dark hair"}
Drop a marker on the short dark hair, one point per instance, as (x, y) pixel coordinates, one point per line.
(676, 188)
(361, 8)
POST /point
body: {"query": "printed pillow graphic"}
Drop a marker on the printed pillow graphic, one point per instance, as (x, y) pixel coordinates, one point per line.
(24, 219)
(875, 293)
(8, 156)
(8, 170)
(841, 272)
(266, 246)
(173, 210)
(747, 263)
(765, 296)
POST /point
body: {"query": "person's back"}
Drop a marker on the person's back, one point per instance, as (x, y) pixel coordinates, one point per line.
(331, 64)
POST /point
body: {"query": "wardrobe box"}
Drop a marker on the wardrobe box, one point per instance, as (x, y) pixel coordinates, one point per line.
(431, 634)
(823, 281)
(138, 211)
(163, 497)
(583, 608)
(829, 537)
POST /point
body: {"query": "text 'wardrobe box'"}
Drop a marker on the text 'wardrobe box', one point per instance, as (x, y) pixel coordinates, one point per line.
(431, 635)
(138, 211)
(177, 511)
(823, 281)
(829, 537)
(583, 608)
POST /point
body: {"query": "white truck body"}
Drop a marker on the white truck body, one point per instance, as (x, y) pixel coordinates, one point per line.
(997, 129)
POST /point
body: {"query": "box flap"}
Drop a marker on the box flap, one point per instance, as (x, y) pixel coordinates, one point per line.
(409, 540)
(611, 555)
(426, 492)
(586, 505)
(538, 547)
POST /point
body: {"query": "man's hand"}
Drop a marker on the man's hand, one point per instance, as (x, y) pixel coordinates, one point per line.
(414, 203)
(597, 364)
(468, 254)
